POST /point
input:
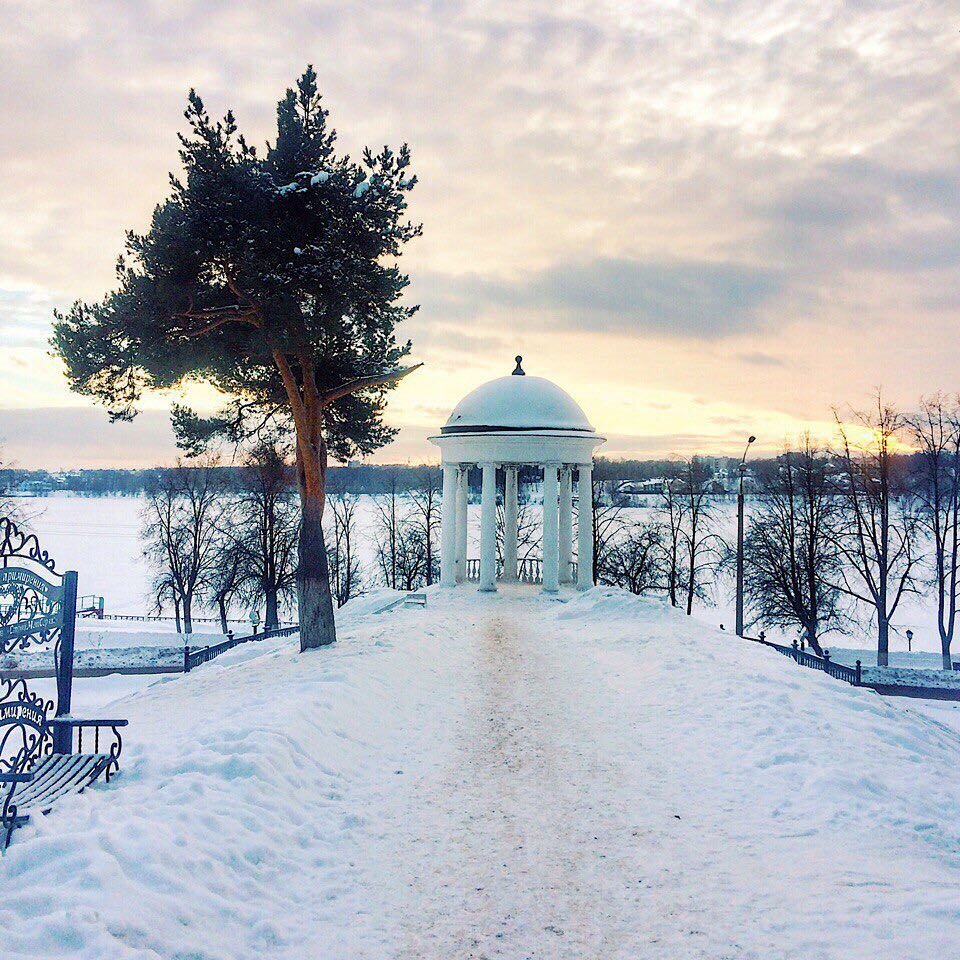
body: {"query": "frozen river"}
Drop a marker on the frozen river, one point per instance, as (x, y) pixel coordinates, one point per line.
(99, 537)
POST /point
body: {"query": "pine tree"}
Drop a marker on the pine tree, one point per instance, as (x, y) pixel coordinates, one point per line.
(274, 279)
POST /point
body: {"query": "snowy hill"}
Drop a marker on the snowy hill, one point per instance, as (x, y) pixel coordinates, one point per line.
(504, 777)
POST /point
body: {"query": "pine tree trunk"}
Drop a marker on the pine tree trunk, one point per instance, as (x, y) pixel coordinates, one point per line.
(315, 602)
(317, 627)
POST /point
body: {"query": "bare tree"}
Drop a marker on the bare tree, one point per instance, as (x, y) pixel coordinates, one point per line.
(9, 506)
(702, 546)
(792, 562)
(165, 589)
(401, 549)
(635, 560)
(386, 533)
(607, 525)
(878, 537)
(425, 516)
(345, 572)
(672, 515)
(529, 523)
(405, 527)
(411, 558)
(268, 527)
(180, 532)
(935, 432)
(228, 567)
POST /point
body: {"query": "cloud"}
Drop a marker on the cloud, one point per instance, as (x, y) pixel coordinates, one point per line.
(25, 317)
(757, 359)
(668, 445)
(73, 437)
(688, 299)
(860, 214)
(768, 188)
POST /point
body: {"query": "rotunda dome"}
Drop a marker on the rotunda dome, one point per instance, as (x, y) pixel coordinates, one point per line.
(517, 403)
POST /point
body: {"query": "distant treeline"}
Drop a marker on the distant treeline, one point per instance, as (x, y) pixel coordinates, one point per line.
(355, 478)
(362, 478)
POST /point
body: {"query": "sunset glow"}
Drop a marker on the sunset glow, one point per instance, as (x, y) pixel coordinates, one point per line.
(702, 223)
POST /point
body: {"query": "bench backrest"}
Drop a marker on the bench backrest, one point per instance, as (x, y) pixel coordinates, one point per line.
(25, 734)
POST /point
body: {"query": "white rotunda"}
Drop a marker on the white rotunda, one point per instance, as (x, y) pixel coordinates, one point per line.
(508, 423)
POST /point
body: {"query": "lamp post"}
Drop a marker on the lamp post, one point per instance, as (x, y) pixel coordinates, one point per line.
(909, 641)
(742, 468)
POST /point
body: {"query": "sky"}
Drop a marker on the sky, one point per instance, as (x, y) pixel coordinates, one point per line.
(702, 219)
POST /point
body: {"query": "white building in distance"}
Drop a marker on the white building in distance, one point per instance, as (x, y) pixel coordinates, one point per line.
(507, 423)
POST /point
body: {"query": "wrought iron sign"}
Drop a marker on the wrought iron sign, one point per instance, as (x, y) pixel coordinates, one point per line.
(24, 730)
(30, 609)
(38, 607)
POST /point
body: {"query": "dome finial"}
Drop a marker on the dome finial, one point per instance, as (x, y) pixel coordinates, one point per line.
(519, 372)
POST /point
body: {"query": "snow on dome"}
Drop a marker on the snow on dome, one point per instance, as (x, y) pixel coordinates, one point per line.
(517, 402)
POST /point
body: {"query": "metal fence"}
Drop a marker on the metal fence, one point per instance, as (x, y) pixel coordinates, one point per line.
(148, 616)
(839, 670)
(194, 657)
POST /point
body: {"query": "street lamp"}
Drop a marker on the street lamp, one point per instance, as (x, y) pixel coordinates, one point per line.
(742, 468)
(909, 641)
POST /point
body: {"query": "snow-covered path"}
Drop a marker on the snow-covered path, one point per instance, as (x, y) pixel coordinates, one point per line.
(580, 806)
(505, 777)
(520, 838)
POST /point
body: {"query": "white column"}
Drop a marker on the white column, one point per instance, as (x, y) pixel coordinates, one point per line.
(566, 524)
(463, 497)
(585, 527)
(488, 529)
(510, 532)
(448, 526)
(551, 540)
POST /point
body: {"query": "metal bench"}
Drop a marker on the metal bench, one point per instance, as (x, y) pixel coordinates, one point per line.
(32, 777)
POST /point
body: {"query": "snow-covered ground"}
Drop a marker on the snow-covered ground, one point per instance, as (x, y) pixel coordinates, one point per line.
(504, 776)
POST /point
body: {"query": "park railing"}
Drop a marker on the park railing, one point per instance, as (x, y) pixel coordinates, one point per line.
(193, 657)
(90, 605)
(838, 670)
(158, 617)
(528, 571)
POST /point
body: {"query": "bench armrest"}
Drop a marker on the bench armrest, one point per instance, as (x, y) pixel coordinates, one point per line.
(68, 724)
(78, 722)
(16, 777)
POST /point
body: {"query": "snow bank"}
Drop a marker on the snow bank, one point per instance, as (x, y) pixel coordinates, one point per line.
(371, 602)
(144, 633)
(503, 776)
(99, 659)
(906, 677)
